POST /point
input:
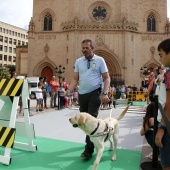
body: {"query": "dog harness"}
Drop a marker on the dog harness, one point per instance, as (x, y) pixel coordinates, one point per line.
(106, 131)
(95, 129)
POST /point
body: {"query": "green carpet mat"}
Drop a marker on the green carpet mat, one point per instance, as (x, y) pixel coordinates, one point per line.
(62, 155)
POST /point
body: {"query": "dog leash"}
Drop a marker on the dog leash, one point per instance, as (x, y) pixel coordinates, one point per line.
(110, 113)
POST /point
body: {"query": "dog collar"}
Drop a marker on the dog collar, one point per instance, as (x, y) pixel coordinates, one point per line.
(95, 129)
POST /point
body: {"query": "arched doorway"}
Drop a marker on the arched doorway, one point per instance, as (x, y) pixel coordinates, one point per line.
(113, 66)
(47, 72)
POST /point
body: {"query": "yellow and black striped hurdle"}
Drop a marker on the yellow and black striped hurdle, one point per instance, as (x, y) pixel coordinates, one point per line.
(10, 91)
(11, 87)
(7, 136)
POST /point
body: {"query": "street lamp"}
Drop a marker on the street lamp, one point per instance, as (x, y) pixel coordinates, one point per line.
(144, 71)
(60, 70)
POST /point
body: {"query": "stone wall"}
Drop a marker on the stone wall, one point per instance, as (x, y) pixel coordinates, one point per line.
(119, 33)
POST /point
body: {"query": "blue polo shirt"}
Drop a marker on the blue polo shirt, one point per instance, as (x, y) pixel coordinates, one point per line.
(90, 73)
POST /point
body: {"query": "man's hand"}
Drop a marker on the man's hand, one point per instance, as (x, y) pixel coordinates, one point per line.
(105, 100)
(158, 137)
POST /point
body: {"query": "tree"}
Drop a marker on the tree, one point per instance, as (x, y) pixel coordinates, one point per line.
(11, 68)
(4, 73)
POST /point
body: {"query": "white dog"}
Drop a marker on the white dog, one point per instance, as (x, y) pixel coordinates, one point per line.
(99, 131)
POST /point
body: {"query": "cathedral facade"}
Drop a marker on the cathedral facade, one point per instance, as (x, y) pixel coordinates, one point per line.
(125, 33)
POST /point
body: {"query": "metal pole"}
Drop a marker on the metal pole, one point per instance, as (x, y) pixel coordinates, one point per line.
(58, 100)
(59, 95)
(155, 128)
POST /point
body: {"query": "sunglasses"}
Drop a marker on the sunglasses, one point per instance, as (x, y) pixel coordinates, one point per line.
(88, 64)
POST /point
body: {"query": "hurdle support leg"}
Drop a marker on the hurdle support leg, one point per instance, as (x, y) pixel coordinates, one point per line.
(29, 129)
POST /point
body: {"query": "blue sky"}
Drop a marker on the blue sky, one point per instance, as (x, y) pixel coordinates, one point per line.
(20, 11)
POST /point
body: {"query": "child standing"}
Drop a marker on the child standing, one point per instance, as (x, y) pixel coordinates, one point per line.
(45, 87)
(162, 138)
(62, 95)
(70, 98)
(75, 96)
(39, 98)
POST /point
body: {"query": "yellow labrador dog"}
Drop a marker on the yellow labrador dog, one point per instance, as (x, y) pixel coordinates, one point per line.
(99, 132)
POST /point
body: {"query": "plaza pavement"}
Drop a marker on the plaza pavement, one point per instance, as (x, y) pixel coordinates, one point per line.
(54, 124)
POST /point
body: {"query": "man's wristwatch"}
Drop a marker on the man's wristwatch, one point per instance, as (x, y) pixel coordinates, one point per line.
(161, 126)
(105, 93)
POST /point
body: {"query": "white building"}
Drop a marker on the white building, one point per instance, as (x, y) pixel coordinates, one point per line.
(10, 37)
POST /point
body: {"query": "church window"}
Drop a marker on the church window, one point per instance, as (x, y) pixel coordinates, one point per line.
(151, 23)
(48, 22)
(99, 13)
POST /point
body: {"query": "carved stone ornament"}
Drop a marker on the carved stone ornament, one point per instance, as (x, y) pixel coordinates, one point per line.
(99, 41)
(152, 49)
(109, 25)
(31, 26)
(46, 48)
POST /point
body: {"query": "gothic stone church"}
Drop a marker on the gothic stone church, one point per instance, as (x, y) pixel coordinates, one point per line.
(125, 33)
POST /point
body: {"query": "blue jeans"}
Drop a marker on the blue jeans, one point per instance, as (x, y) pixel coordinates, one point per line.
(62, 99)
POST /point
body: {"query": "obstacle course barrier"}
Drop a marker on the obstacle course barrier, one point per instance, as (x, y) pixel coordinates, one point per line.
(137, 96)
(10, 91)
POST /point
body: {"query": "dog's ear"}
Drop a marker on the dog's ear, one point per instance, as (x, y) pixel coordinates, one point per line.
(81, 120)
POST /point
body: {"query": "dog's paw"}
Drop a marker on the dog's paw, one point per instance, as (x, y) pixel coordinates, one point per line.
(113, 158)
(94, 167)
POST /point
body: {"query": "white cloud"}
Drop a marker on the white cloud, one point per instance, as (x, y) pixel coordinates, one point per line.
(19, 12)
(16, 12)
(168, 8)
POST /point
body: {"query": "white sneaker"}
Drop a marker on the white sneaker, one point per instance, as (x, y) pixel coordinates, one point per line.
(151, 157)
(159, 159)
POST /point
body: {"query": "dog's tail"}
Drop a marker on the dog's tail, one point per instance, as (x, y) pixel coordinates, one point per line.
(122, 114)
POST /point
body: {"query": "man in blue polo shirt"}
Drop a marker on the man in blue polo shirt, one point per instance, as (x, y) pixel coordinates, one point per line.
(90, 72)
